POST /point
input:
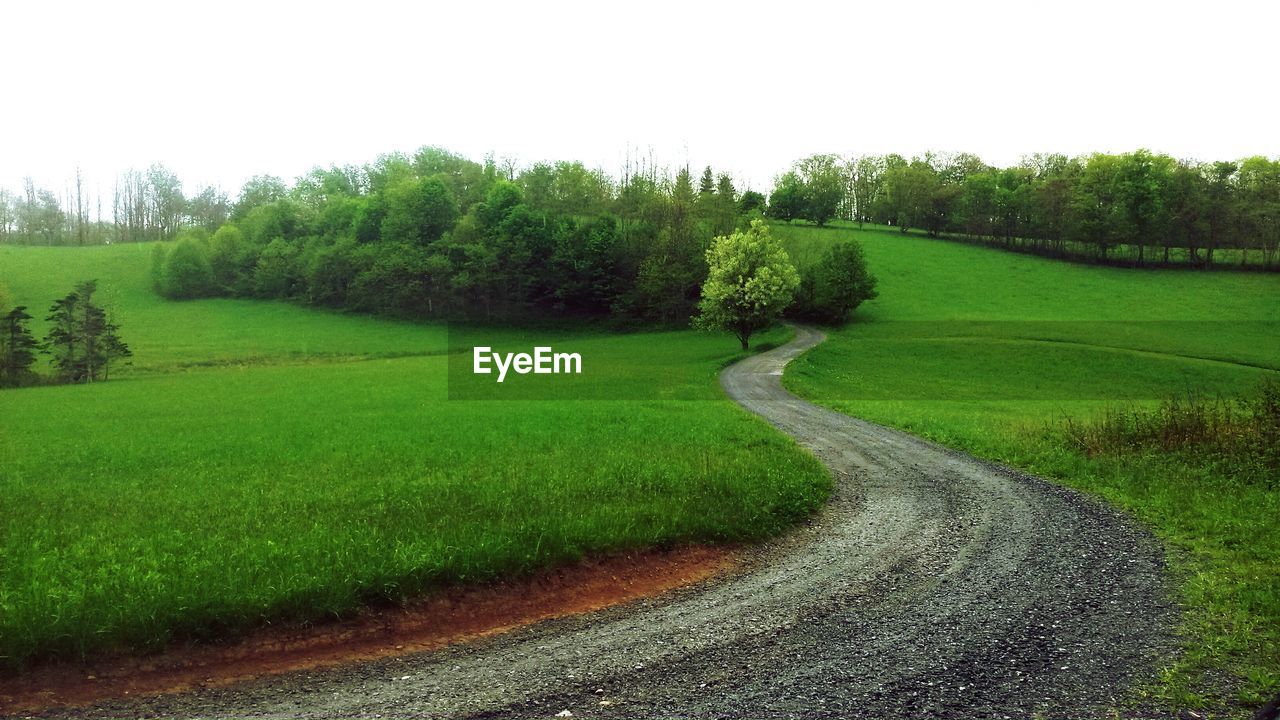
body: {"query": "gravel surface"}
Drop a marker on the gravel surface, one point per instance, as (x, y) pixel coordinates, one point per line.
(932, 585)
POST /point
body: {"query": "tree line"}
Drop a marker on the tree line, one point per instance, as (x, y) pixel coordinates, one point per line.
(82, 341)
(1137, 208)
(434, 234)
(141, 206)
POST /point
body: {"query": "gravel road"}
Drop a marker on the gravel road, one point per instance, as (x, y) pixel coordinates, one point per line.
(932, 585)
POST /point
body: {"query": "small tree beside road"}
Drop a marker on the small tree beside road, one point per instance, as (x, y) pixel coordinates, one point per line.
(750, 281)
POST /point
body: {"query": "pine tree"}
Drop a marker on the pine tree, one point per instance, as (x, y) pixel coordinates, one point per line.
(110, 346)
(724, 207)
(708, 184)
(63, 339)
(82, 339)
(17, 348)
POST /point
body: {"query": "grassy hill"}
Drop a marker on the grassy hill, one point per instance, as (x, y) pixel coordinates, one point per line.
(265, 462)
(174, 336)
(992, 352)
(262, 461)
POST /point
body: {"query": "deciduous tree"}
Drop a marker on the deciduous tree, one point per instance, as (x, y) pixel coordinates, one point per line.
(750, 281)
(836, 285)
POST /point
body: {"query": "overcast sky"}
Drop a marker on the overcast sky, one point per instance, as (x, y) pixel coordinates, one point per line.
(220, 91)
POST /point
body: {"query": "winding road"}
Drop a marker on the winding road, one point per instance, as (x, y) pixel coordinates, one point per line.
(932, 585)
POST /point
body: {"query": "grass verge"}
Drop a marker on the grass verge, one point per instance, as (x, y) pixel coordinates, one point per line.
(992, 353)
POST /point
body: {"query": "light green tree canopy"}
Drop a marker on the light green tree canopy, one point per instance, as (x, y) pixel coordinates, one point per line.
(185, 272)
(750, 281)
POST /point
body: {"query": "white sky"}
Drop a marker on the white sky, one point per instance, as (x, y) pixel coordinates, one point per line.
(220, 91)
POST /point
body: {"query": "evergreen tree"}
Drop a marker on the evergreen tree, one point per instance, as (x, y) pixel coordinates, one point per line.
(724, 207)
(707, 185)
(17, 348)
(63, 339)
(82, 339)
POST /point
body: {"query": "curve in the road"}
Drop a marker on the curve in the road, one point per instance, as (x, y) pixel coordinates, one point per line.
(932, 584)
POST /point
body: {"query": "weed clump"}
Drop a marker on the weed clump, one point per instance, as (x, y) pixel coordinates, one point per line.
(1240, 435)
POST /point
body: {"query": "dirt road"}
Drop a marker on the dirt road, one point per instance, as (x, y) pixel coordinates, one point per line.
(932, 584)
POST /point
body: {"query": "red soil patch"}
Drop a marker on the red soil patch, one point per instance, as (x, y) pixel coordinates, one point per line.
(447, 617)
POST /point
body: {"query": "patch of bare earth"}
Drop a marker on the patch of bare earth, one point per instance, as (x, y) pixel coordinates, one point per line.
(449, 616)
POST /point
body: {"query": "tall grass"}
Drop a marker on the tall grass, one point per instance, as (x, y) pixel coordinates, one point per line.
(1241, 433)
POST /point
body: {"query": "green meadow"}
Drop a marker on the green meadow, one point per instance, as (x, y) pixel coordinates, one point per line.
(262, 462)
(994, 352)
(177, 336)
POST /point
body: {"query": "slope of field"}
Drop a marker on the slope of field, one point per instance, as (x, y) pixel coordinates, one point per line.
(265, 462)
(991, 352)
(174, 336)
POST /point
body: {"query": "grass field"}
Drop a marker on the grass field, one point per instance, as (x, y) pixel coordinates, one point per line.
(991, 352)
(176, 336)
(261, 461)
(265, 462)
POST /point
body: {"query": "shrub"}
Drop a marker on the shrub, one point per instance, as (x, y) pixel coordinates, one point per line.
(229, 259)
(1244, 432)
(186, 273)
(831, 289)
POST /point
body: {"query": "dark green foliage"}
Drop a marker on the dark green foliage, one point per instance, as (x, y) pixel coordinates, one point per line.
(333, 269)
(566, 188)
(82, 339)
(786, 202)
(662, 288)
(523, 241)
(831, 289)
(466, 180)
(64, 340)
(418, 211)
(751, 201)
(1240, 434)
(277, 273)
(402, 279)
(1137, 208)
(434, 235)
(909, 193)
(583, 270)
(707, 184)
(502, 197)
(366, 222)
(823, 187)
(18, 348)
(814, 189)
(337, 215)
